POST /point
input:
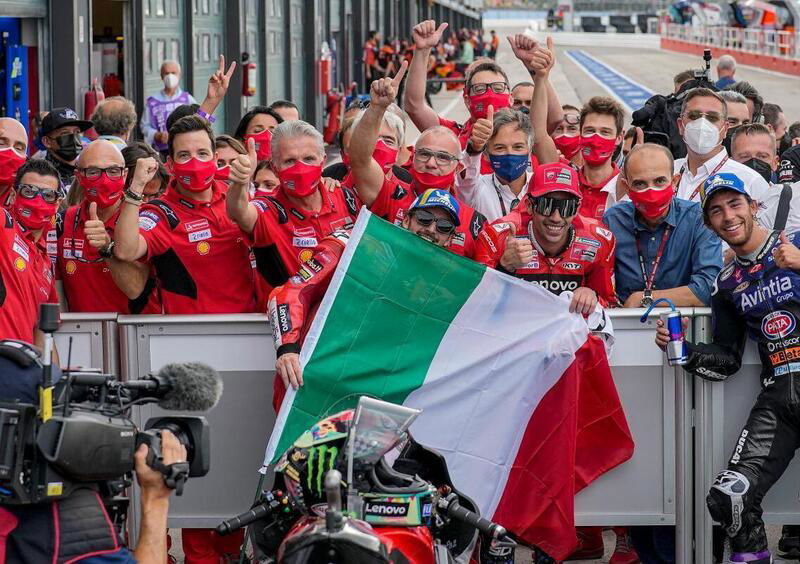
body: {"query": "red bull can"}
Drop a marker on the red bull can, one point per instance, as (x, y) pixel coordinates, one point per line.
(676, 348)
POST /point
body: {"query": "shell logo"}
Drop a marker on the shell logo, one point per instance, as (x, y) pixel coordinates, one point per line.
(203, 247)
(71, 267)
(305, 254)
(20, 264)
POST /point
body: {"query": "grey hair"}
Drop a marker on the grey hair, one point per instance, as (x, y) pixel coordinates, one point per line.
(732, 97)
(508, 116)
(292, 129)
(168, 62)
(391, 119)
(726, 62)
(112, 119)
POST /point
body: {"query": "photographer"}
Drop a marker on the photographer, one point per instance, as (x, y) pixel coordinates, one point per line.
(78, 528)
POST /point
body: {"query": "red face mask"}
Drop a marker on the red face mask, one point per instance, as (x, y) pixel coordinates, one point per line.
(652, 202)
(33, 214)
(385, 155)
(569, 146)
(223, 173)
(103, 191)
(597, 149)
(263, 141)
(300, 179)
(425, 180)
(195, 175)
(10, 161)
(479, 103)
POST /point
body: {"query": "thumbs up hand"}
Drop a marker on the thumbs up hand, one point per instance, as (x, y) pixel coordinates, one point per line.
(518, 251)
(482, 130)
(242, 166)
(787, 255)
(95, 230)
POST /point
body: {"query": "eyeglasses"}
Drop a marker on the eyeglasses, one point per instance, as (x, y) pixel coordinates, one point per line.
(443, 225)
(572, 119)
(713, 117)
(442, 158)
(29, 192)
(95, 172)
(497, 88)
(544, 205)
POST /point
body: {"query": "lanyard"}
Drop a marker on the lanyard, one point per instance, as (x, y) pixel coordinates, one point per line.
(649, 280)
(514, 202)
(713, 172)
(75, 225)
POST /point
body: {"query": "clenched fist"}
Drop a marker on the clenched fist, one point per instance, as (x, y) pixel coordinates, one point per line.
(242, 166)
(482, 130)
(145, 171)
(518, 253)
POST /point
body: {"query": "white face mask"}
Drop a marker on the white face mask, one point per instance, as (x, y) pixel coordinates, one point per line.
(701, 136)
(170, 81)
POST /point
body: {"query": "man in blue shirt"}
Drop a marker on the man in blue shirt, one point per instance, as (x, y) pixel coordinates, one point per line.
(726, 68)
(663, 248)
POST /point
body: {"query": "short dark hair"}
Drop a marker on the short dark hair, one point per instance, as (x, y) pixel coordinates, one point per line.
(481, 66)
(606, 106)
(139, 150)
(224, 140)
(749, 91)
(683, 76)
(794, 130)
(704, 93)
(753, 129)
(262, 164)
(241, 129)
(283, 104)
(187, 125)
(771, 112)
(181, 111)
(37, 166)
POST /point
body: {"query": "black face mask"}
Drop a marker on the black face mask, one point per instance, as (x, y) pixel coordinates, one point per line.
(762, 168)
(69, 146)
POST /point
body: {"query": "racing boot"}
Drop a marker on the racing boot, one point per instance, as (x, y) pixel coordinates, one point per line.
(789, 545)
(624, 553)
(590, 544)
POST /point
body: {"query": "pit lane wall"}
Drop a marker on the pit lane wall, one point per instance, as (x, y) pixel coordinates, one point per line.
(684, 428)
(765, 49)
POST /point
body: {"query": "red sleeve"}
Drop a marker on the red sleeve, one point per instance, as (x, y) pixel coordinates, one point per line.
(394, 195)
(600, 277)
(154, 227)
(453, 126)
(491, 243)
(290, 304)
(261, 236)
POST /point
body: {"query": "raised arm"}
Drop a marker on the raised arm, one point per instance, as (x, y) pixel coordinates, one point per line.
(129, 243)
(426, 36)
(217, 86)
(241, 211)
(367, 173)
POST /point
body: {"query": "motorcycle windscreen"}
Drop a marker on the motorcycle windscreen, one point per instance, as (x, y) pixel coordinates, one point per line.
(378, 426)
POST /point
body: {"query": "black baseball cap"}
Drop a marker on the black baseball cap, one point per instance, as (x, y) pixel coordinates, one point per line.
(62, 117)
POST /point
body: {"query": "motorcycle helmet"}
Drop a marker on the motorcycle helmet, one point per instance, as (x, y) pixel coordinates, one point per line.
(314, 453)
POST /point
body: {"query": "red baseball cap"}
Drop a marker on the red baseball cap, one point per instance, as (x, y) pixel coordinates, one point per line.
(554, 177)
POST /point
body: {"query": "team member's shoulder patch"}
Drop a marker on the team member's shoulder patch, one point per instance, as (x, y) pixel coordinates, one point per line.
(60, 223)
(9, 221)
(167, 211)
(604, 233)
(283, 217)
(148, 219)
(402, 174)
(341, 235)
(260, 204)
(476, 223)
(350, 200)
(726, 272)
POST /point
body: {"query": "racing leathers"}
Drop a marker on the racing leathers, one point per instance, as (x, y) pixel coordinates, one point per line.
(586, 260)
(759, 299)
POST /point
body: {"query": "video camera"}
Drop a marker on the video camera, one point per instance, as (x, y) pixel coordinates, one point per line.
(80, 433)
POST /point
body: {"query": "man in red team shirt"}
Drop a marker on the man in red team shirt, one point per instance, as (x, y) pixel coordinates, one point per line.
(13, 151)
(433, 216)
(545, 243)
(26, 275)
(200, 257)
(286, 226)
(88, 272)
(435, 165)
(601, 132)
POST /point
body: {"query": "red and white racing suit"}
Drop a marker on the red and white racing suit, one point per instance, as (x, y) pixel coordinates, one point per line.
(587, 259)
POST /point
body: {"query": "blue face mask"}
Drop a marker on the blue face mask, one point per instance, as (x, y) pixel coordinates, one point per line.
(509, 167)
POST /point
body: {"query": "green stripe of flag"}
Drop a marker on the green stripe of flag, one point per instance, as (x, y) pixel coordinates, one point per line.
(395, 302)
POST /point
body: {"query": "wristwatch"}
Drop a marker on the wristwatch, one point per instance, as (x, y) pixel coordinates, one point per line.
(107, 252)
(647, 300)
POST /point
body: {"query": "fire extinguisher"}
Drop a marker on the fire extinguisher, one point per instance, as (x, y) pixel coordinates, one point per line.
(92, 97)
(325, 79)
(334, 104)
(249, 76)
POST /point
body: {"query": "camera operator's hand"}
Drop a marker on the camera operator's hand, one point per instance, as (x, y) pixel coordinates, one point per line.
(152, 481)
(152, 547)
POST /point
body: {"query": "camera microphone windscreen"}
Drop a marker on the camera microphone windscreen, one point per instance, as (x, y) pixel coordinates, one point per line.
(192, 386)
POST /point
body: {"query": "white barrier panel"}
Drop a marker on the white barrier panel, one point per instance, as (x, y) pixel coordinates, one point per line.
(94, 341)
(722, 410)
(240, 348)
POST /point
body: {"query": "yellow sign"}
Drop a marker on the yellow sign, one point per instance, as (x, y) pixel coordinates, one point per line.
(306, 254)
(203, 247)
(71, 267)
(20, 264)
(55, 488)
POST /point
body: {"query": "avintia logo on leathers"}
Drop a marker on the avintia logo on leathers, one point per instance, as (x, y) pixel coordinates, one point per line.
(765, 292)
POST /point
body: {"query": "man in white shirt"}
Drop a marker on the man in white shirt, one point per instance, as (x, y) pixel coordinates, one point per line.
(703, 125)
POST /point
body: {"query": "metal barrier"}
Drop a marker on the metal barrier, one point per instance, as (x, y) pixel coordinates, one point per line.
(684, 428)
(768, 42)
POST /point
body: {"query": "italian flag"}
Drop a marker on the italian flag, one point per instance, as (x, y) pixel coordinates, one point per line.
(515, 391)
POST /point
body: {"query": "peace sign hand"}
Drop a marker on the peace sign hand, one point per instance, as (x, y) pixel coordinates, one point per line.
(384, 91)
(219, 81)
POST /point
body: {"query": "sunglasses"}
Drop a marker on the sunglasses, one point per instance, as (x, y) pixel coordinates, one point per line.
(713, 117)
(443, 225)
(29, 192)
(544, 205)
